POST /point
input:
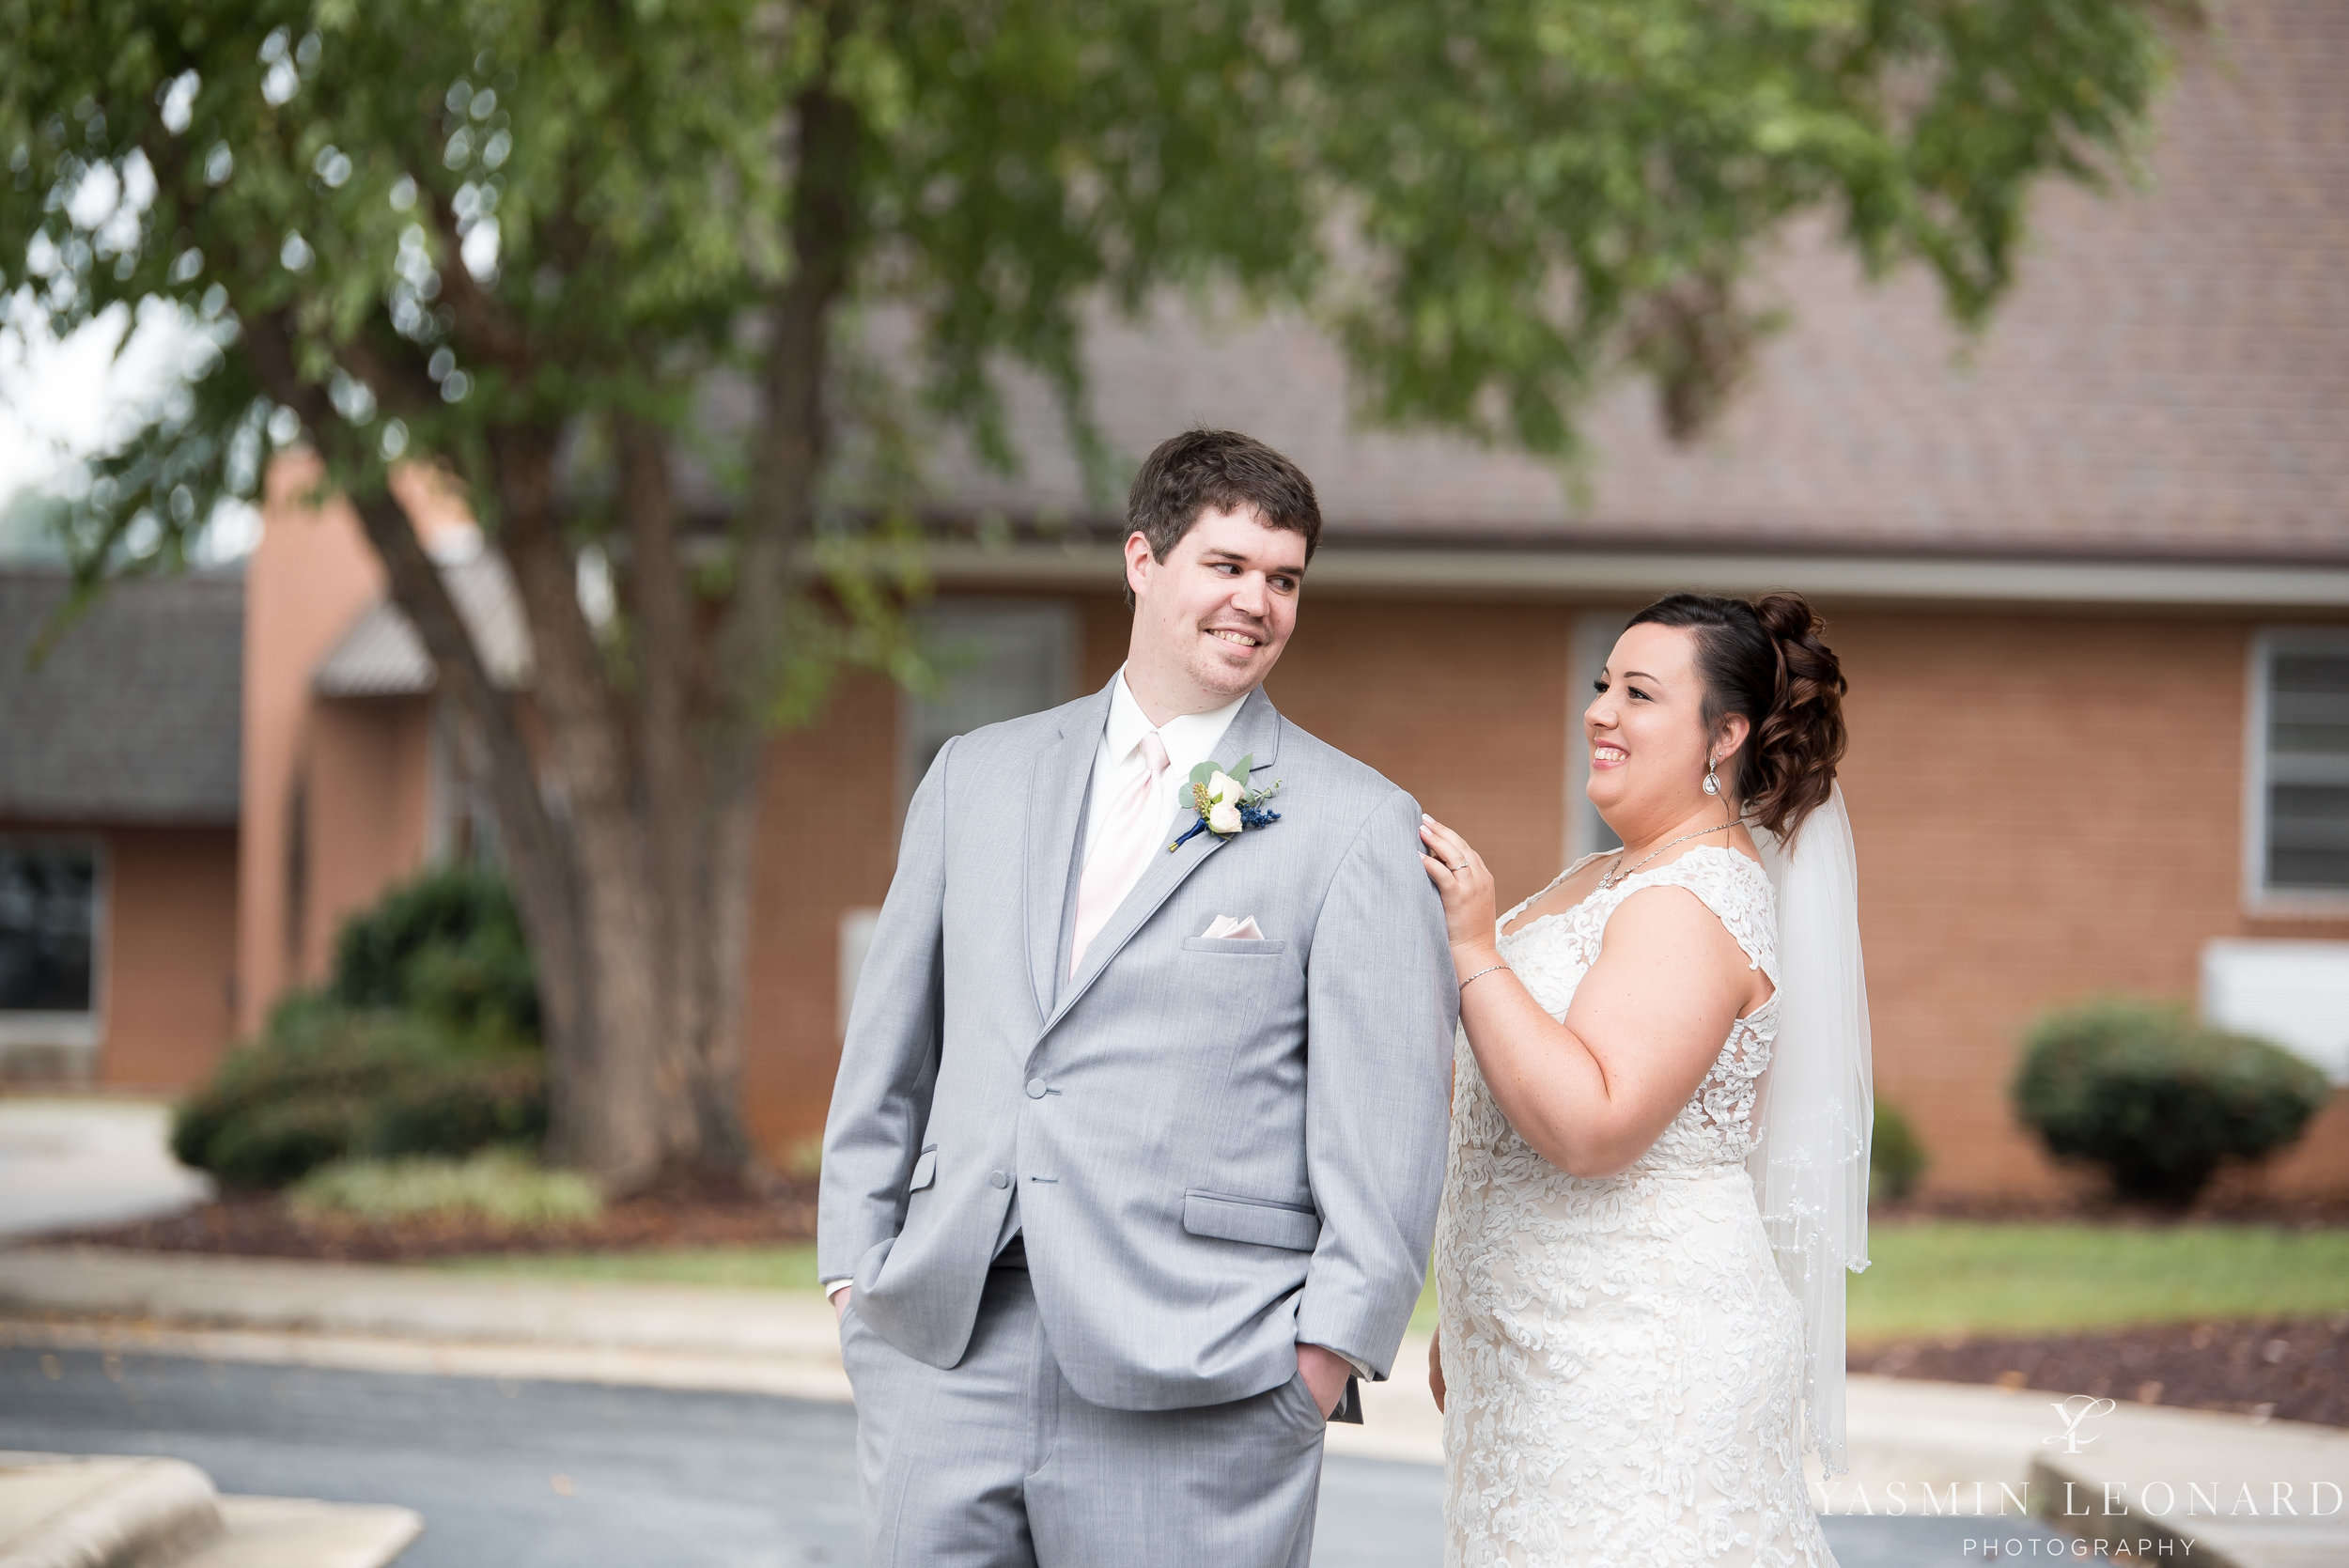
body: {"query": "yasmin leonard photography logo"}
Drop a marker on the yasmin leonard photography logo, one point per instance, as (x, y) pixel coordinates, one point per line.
(2075, 1413)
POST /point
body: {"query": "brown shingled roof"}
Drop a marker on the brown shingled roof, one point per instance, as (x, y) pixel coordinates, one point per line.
(2169, 377)
(133, 715)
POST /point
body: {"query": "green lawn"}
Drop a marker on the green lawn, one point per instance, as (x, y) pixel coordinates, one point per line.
(734, 1267)
(1951, 1277)
(1929, 1278)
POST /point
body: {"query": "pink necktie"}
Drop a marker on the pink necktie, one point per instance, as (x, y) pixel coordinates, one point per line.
(1122, 848)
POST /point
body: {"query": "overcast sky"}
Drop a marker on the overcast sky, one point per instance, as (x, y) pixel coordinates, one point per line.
(61, 400)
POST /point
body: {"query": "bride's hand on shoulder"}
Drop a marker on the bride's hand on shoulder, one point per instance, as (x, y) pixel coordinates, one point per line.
(1463, 883)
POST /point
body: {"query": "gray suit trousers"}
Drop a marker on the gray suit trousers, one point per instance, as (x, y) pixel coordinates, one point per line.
(998, 1462)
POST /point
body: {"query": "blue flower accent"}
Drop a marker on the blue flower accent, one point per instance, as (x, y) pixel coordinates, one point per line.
(1226, 804)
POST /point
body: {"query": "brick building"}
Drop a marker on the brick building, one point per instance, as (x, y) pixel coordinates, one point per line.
(2089, 576)
(119, 806)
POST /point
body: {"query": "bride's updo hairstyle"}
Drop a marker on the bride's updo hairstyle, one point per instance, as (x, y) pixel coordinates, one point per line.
(1763, 657)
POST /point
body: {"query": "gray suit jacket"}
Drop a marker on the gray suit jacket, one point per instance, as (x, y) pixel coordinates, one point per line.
(1220, 1148)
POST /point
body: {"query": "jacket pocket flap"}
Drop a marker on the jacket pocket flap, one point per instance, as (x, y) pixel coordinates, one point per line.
(925, 1171)
(1252, 1219)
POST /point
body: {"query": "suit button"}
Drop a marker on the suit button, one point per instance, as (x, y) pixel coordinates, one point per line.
(1036, 1089)
(996, 1178)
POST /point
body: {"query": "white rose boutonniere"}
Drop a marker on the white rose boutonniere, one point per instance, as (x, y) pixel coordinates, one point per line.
(1226, 804)
(1223, 794)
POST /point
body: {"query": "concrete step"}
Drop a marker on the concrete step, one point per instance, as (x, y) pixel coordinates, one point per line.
(296, 1532)
(67, 1511)
(59, 1512)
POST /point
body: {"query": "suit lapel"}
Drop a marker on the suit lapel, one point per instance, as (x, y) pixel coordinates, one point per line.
(1255, 729)
(1056, 799)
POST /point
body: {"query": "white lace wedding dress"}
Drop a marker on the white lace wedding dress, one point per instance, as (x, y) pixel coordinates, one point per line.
(1622, 1359)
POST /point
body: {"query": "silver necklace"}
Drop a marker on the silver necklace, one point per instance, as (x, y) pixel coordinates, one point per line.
(1607, 880)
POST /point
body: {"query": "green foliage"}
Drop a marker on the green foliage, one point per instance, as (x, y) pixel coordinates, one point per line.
(2158, 1099)
(526, 240)
(329, 1083)
(1896, 1161)
(1968, 1277)
(802, 1159)
(471, 217)
(503, 1187)
(447, 947)
(787, 1268)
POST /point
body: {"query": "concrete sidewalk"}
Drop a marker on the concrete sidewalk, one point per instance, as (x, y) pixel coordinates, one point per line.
(69, 1162)
(1916, 1448)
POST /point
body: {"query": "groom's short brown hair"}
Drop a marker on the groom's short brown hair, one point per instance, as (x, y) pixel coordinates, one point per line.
(1224, 470)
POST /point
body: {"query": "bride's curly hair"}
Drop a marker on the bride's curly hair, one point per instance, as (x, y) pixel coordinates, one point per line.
(1763, 657)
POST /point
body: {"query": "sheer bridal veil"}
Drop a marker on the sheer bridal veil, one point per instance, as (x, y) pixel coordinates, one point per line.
(1810, 1165)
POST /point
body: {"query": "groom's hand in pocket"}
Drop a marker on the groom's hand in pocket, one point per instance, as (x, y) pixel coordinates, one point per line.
(840, 1302)
(1326, 1373)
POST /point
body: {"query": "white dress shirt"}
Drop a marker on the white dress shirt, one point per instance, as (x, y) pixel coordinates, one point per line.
(1189, 740)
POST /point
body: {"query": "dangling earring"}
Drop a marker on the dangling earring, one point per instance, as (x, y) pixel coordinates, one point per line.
(1712, 779)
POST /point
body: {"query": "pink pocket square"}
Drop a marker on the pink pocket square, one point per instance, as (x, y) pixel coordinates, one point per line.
(1243, 930)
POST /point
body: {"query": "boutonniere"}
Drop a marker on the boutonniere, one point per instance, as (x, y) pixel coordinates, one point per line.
(1224, 803)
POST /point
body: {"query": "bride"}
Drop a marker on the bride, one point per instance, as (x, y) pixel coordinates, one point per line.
(1658, 1164)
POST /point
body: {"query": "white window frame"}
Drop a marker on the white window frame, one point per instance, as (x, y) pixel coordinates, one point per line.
(2258, 897)
(83, 1030)
(1060, 614)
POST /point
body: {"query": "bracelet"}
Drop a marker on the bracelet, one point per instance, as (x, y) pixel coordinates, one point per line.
(1481, 974)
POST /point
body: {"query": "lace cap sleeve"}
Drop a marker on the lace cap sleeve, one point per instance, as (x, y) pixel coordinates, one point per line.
(1738, 892)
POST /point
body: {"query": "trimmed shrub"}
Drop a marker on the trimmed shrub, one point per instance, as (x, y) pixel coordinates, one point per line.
(447, 947)
(330, 1083)
(505, 1186)
(2158, 1099)
(1896, 1161)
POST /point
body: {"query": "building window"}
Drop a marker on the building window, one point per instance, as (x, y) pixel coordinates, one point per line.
(2298, 817)
(49, 919)
(997, 659)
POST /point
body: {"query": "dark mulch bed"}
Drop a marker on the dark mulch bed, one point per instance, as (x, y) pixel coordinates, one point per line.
(2292, 1371)
(709, 1213)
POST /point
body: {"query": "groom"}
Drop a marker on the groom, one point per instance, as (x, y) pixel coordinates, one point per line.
(1134, 1153)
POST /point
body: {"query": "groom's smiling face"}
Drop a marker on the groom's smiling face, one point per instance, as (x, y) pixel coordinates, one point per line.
(1215, 614)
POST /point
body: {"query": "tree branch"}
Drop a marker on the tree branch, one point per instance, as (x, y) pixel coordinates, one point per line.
(482, 322)
(570, 686)
(825, 226)
(662, 604)
(489, 730)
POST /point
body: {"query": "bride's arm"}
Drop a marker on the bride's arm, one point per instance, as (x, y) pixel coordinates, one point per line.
(1590, 1094)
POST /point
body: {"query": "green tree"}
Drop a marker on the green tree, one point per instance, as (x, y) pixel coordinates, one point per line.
(513, 238)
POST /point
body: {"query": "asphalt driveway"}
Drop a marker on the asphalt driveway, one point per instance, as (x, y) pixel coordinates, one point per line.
(562, 1475)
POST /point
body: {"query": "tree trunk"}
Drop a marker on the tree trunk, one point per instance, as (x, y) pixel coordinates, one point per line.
(630, 834)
